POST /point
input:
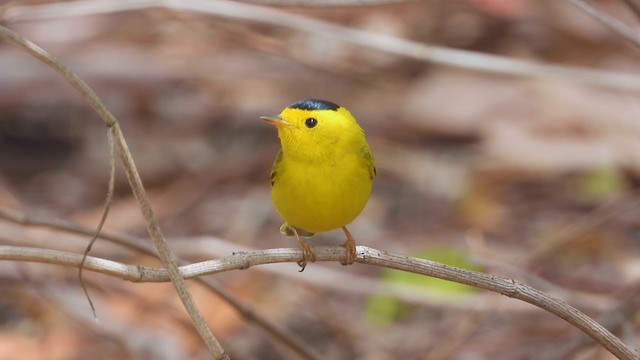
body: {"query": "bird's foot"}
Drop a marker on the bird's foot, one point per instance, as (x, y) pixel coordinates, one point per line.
(308, 253)
(350, 246)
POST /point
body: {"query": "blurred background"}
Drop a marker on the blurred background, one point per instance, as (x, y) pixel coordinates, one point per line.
(533, 178)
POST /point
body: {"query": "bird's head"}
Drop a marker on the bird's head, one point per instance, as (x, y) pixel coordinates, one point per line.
(312, 129)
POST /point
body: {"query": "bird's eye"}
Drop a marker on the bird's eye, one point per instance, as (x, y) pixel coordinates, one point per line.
(311, 122)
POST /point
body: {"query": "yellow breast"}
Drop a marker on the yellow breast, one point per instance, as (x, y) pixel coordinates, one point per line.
(321, 196)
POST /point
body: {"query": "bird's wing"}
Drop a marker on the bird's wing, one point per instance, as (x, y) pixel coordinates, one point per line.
(366, 151)
(276, 165)
(288, 230)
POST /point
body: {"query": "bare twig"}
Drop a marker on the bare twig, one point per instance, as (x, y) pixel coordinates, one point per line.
(129, 242)
(402, 47)
(166, 256)
(510, 288)
(126, 241)
(103, 218)
(350, 283)
(572, 233)
(365, 255)
(612, 319)
(633, 6)
(325, 3)
(57, 297)
(609, 21)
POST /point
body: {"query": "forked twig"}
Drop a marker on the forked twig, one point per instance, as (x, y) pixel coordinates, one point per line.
(617, 26)
(107, 205)
(135, 244)
(390, 44)
(165, 254)
(633, 6)
(325, 3)
(365, 255)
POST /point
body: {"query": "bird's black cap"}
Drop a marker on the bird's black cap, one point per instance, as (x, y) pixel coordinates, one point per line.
(314, 104)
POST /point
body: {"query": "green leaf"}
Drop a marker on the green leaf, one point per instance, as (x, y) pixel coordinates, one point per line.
(384, 310)
(600, 183)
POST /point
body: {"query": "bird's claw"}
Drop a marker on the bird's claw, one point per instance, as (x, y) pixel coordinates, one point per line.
(350, 246)
(308, 254)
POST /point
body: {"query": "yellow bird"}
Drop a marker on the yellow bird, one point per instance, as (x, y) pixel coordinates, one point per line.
(322, 176)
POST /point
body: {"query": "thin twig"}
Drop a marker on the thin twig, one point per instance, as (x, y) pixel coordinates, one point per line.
(365, 255)
(350, 283)
(166, 256)
(612, 319)
(135, 244)
(633, 6)
(568, 235)
(510, 288)
(609, 21)
(69, 227)
(398, 46)
(325, 3)
(107, 205)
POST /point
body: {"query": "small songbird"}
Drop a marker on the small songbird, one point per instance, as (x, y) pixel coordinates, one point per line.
(322, 176)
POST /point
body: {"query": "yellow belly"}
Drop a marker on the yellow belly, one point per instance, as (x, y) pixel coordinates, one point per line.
(321, 198)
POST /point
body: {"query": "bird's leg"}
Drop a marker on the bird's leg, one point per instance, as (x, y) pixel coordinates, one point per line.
(350, 245)
(308, 254)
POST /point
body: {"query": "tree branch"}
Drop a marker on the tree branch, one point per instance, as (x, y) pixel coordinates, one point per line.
(165, 254)
(325, 3)
(398, 46)
(617, 26)
(137, 245)
(350, 283)
(633, 6)
(365, 255)
(614, 318)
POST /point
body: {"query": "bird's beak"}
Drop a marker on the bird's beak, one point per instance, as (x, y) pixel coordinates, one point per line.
(275, 120)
